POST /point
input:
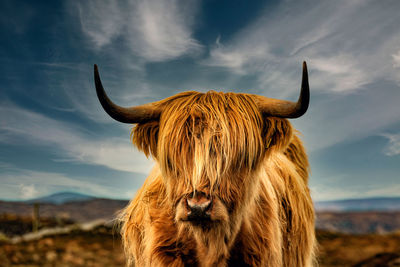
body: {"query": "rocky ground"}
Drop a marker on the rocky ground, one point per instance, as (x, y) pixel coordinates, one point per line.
(82, 234)
(62, 242)
(101, 246)
(95, 248)
(361, 250)
(364, 222)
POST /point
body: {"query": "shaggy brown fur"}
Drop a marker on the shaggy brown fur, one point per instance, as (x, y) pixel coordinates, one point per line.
(254, 168)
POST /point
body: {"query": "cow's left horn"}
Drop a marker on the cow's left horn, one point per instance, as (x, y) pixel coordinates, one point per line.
(287, 109)
(136, 114)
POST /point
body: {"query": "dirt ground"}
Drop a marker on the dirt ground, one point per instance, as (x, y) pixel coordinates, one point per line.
(92, 249)
(358, 250)
(102, 247)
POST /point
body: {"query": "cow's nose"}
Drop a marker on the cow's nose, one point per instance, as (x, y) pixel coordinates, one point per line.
(199, 206)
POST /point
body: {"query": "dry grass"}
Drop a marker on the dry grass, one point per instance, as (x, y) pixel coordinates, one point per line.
(93, 249)
(347, 250)
(103, 248)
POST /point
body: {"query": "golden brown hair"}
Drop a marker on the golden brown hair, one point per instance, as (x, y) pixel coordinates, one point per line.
(255, 168)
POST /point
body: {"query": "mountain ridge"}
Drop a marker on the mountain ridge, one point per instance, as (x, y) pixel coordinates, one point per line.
(340, 205)
(61, 198)
(355, 204)
(360, 204)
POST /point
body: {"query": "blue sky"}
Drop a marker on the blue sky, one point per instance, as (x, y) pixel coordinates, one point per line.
(54, 135)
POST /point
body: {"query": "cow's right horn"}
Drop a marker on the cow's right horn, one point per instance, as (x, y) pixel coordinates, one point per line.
(283, 108)
(136, 114)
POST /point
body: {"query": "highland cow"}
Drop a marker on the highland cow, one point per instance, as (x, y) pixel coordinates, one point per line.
(229, 187)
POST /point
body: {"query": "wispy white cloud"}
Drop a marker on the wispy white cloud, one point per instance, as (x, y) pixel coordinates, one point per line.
(347, 118)
(102, 21)
(71, 142)
(351, 48)
(393, 146)
(344, 46)
(329, 190)
(127, 35)
(239, 56)
(342, 192)
(155, 30)
(348, 76)
(342, 42)
(113, 153)
(164, 29)
(391, 190)
(28, 191)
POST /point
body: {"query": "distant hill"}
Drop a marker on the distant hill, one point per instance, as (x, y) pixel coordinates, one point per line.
(61, 198)
(358, 222)
(78, 211)
(67, 205)
(362, 204)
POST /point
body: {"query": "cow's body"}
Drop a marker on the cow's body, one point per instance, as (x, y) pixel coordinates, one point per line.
(229, 187)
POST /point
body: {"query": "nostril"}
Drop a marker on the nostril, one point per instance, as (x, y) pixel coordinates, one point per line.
(198, 205)
(203, 204)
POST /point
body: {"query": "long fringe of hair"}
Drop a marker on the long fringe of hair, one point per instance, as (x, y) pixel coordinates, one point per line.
(221, 143)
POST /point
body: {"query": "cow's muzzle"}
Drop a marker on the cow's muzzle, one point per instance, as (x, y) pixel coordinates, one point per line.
(198, 206)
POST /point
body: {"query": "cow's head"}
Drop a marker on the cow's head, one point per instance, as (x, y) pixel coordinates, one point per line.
(209, 147)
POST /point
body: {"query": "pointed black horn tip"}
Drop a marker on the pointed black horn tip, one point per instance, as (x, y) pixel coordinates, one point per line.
(97, 77)
(304, 80)
(304, 66)
(304, 99)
